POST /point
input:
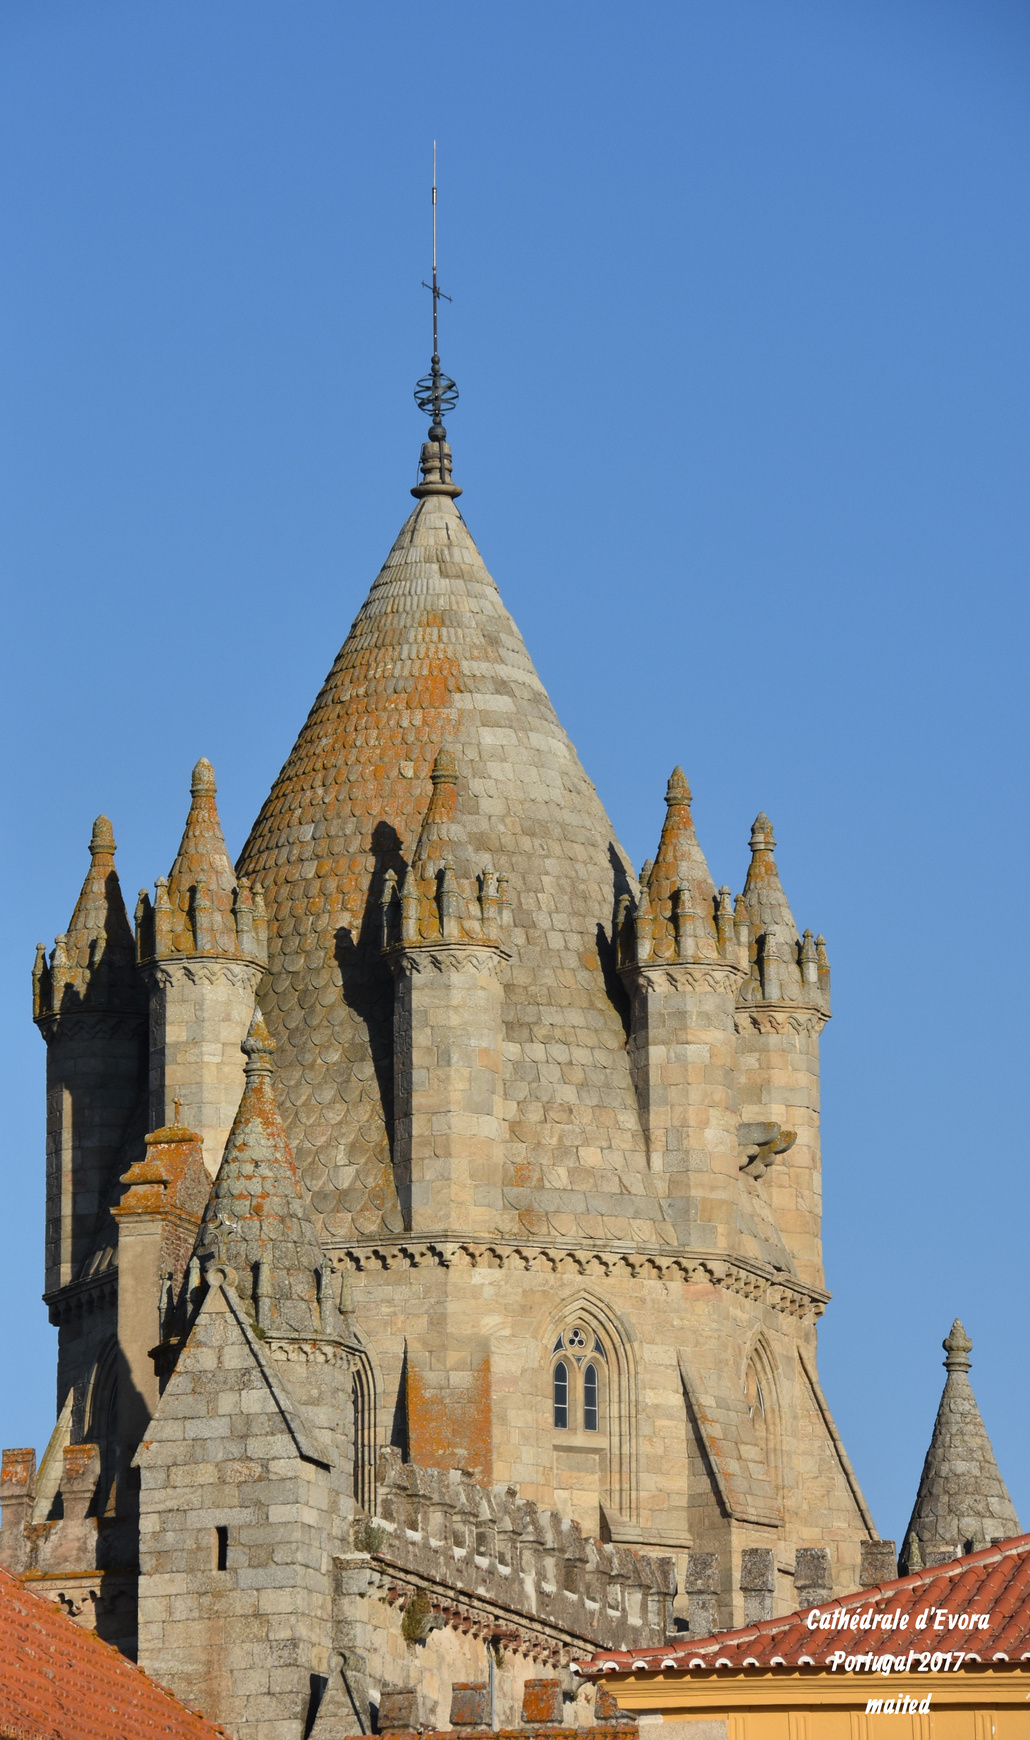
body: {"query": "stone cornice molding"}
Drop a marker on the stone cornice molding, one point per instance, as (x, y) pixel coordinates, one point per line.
(203, 970)
(447, 957)
(697, 975)
(78, 1023)
(97, 1292)
(781, 1017)
(752, 1280)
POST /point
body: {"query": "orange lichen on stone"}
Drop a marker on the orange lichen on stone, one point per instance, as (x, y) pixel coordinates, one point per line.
(452, 1428)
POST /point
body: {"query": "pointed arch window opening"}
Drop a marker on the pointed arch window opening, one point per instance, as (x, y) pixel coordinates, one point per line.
(591, 1403)
(560, 1396)
(578, 1380)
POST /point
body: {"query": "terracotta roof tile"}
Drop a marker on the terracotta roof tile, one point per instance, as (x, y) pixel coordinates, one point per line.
(995, 1582)
(58, 1682)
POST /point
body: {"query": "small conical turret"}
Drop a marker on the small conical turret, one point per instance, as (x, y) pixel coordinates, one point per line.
(785, 968)
(202, 882)
(763, 892)
(439, 835)
(258, 1220)
(678, 906)
(962, 1503)
(95, 957)
(443, 895)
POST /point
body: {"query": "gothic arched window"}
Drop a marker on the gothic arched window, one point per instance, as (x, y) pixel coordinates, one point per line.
(560, 1388)
(579, 1380)
(590, 1398)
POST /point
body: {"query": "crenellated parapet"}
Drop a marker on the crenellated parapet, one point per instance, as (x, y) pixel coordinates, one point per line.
(459, 1541)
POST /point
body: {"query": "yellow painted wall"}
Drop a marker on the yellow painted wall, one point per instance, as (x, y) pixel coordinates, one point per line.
(770, 1704)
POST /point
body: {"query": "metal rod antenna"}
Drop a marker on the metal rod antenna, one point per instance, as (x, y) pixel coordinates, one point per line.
(436, 292)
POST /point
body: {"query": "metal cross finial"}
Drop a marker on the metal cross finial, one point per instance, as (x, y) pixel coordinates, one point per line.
(436, 394)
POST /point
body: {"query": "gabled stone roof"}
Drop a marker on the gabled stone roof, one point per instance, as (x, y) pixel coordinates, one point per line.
(258, 1221)
(59, 1682)
(962, 1502)
(434, 658)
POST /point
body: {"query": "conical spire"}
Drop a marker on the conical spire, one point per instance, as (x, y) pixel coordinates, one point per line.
(434, 659)
(94, 960)
(962, 1503)
(680, 882)
(440, 835)
(764, 898)
(194, 911)
(257, 1220)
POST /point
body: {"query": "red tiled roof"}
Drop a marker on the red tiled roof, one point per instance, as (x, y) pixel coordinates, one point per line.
(995, 1582)
(59, 1682)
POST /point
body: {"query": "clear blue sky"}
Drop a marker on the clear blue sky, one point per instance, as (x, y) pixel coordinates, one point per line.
(740, 325)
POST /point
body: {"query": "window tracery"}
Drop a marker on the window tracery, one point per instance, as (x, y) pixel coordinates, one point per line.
(579, 1360)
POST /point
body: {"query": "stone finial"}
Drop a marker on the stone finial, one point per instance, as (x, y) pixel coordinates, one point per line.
(762, 834)
(962, 1503)
(958, 1347)
(102, 838)
(202, 782)
(445, 768)
(677, 791)
(258, 1047)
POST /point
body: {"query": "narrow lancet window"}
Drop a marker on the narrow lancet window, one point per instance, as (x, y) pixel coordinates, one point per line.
(561, 1396)
(590, 1398)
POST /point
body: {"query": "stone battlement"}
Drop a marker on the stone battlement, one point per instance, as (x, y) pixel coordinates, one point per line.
(493, 1546)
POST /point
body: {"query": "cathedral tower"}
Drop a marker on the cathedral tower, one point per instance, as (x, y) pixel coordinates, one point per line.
(516, 1201)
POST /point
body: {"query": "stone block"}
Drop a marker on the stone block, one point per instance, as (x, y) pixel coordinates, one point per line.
(879, 1563)
(401, 1707)
(542, 1702)
(470, 1704)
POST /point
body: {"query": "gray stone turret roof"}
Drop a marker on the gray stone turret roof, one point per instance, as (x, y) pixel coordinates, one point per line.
(962, 1503)
(257, 1220)
(434, 658)
(94, 961)
(202, 872)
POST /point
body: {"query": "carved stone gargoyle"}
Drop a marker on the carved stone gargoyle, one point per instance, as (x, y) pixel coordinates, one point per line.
(760, 1144)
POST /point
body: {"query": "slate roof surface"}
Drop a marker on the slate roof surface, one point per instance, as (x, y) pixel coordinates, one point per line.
(59, 1682)
(995, 1581)
(434, 659)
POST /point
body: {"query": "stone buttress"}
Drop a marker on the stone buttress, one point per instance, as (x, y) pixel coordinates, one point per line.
(246, 1466)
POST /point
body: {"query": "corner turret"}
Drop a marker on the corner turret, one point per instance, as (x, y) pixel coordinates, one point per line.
(91, 1010)
(782, 1006)
(203, 947)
